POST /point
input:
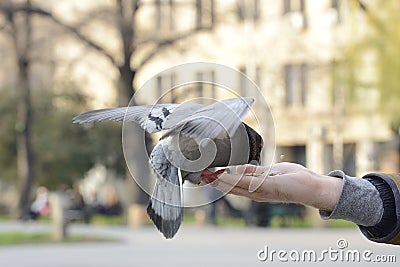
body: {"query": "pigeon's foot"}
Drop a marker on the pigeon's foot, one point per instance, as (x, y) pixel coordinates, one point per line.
(209, 176)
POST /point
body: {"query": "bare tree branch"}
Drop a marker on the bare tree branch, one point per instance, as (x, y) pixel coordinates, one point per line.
(164, 43)
(4, 25)
(373, 18)
(41, 12)
(125, 23)
(3, 28)
(362, 5)
(100, 14)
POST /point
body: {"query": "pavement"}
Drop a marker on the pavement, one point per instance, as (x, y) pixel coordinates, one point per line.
(197, 246)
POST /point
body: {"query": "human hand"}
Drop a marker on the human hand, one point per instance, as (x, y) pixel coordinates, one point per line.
(283, 182)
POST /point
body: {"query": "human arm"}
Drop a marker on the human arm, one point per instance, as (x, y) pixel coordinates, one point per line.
(369, 202)
(284, 182)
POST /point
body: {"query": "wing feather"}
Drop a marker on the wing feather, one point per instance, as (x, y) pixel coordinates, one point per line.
(165, 208)
(151, 118)
(211, 121)
(195, 120)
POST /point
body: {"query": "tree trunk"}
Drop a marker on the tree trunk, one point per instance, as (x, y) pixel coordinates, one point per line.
(137, 154)
(126, 90)
(23, 128)
(22, 37)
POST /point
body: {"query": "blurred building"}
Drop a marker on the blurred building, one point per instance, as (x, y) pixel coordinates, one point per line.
(292, 49)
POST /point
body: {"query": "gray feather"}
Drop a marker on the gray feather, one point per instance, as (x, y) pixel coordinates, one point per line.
(150, 118)
(223, 117)
(165, 206)
(192, 119)
(219, 121)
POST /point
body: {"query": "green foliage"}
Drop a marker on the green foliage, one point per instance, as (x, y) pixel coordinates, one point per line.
(382, 40)
(388, 46)
(14, 238)
(341, 224)
(107, 220)
(8, 153)
(10, 238)
(62, 151)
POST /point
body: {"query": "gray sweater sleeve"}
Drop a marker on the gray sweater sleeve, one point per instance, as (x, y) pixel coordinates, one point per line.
(359, 202)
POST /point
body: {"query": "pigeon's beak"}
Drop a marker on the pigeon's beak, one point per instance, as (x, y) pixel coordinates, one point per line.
(254, 162)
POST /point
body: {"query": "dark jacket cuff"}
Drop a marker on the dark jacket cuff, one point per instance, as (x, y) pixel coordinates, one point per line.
(359, 201)
(389, 225)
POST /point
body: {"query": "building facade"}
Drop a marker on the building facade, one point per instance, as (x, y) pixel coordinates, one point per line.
(291, 49)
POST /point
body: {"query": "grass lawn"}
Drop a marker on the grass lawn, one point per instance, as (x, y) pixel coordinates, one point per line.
(107, 220)
(341, 224)
(13, 238)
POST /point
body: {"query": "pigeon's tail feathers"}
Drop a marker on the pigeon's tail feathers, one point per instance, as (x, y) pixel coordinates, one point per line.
(168, 227)
(150, 117)
(165, 207)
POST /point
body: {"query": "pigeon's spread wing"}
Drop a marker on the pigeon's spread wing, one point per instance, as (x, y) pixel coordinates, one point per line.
(211, 121)
(165, 206)
(193, 119)
(150, 117)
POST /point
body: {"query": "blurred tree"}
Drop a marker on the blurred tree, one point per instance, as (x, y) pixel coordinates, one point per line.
(19, 29)
(8, 148)
(62, 151)
(382, 40)
(138, 45)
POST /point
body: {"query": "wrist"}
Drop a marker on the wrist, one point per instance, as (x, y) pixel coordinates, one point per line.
(359, 201)
(327, 192)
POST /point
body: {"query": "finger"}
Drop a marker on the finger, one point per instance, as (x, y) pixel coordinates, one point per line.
(243, 181)
(222, 186)
(287, 188)
(248, 168)
(228, 188)
(231, 179)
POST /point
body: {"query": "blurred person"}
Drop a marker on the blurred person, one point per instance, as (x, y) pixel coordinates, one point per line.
(75, 198)
(373, 202)
(40, 206)
(112, 206)
(220, 199)
(77, 208)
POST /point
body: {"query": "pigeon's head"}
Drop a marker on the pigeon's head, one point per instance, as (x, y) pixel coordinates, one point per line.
(255, 144)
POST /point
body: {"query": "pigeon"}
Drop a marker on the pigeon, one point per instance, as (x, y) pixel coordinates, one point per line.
(195, 138)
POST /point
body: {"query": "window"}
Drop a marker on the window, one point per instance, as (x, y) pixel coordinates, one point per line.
(253, 75)
(296, 10)
(164, 15)
(165, 83)
(206, 88)
(204, 13)
(347, 158)
(296, 153)
(296, 84)
(248, 10)
(335, 5)
(337, 85)
(293, 6)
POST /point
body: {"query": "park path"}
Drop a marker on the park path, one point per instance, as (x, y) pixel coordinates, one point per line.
(192, 247)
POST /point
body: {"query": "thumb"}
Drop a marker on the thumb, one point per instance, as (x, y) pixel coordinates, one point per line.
(248, 168)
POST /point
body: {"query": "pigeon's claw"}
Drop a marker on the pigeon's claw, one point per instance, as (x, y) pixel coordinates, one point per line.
(209, 176)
